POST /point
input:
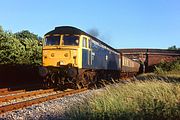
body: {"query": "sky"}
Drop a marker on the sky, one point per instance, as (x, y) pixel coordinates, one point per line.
(121, 23)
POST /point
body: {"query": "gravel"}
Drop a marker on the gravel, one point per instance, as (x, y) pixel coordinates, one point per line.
(50, 110)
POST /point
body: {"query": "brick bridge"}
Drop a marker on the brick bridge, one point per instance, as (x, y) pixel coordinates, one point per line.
(151, 57)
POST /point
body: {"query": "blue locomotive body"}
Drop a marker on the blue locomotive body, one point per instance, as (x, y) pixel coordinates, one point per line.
(100, 57)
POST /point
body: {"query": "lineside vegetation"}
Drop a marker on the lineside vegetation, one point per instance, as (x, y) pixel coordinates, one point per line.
(150, 100)
(152, 96)
(168, 69)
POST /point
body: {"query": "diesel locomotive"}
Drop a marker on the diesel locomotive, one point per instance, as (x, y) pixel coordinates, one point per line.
(75, 58)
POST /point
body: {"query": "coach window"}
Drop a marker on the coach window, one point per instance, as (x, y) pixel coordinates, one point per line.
(84, 42)
(89, 43)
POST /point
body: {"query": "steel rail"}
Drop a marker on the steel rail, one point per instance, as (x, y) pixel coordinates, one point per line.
(19, 105)
(18, 89)
(24, 94)
(3, 90)
(10, 92)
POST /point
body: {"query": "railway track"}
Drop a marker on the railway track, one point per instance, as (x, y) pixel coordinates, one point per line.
(15, 101)
(5, 91)
(22, 94)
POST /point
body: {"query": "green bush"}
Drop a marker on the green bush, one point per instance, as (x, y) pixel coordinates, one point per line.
(168, 67)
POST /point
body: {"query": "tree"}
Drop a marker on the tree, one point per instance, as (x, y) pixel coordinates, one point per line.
(20, 48)
(25, 34)
(1, 29)
(173, 48)
(33, 51)
(11, 50)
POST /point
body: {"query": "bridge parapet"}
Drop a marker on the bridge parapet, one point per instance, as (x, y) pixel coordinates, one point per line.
(151, 57)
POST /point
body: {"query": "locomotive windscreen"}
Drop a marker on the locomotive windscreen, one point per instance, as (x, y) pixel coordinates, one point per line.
(52, 40)
(70, 40)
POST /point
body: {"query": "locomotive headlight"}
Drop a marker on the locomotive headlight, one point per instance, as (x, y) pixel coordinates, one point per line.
(73, 52)
(45, 56)
(66, 55)
(52, 54)
(61, 63)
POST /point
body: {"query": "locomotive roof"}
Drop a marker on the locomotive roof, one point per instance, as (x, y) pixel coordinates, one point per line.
(74, 30)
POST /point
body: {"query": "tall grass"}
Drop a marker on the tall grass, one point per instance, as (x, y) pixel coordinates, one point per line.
(163, 77)
(136, 100)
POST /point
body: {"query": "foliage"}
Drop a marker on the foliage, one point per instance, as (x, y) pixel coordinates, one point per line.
(1, 29)
(33, 52)
(17, 49)
(149, 100)
(165, 67)
(10, 49)
(173, 48)
(25, 34)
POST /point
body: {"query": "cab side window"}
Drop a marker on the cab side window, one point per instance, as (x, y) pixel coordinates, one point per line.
(89, 43)
(84, 44)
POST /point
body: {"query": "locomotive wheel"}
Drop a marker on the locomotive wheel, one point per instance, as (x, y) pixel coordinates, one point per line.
(53, 80)
(72, 83)
(79, 85)
(47, 82)
(86, 79)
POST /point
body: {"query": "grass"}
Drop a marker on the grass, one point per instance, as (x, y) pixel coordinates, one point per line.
(149, 100)
(164, 77)
(171, 73)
